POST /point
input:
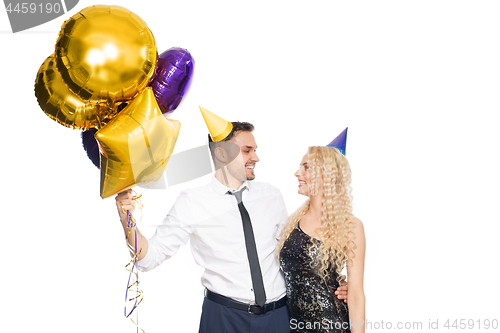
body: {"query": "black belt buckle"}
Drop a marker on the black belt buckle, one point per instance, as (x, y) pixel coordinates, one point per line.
(256, 309)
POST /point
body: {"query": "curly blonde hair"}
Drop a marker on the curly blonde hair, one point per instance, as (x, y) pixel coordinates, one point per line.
(328, 165)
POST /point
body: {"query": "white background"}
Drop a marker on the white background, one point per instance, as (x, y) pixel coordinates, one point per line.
(417, 82)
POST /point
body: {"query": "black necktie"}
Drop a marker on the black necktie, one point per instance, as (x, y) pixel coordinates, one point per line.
(253, 258)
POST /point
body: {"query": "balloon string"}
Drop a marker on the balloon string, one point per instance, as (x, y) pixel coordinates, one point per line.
(133, 270)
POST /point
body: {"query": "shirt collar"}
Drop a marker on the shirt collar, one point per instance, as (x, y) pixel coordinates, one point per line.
(222, 189)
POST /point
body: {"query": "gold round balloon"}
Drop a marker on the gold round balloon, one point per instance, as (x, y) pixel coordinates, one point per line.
(60, 104)
(106, 54)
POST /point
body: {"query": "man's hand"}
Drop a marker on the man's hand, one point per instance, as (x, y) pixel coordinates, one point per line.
(342, 290)
(124, 202)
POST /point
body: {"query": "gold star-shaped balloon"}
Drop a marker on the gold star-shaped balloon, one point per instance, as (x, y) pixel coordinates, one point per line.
(135, 145)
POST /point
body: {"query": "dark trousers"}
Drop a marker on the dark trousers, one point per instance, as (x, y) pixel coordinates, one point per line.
(217, 318)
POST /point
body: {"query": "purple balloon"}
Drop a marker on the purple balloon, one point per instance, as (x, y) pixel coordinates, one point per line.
(90, 145)
(173, 76)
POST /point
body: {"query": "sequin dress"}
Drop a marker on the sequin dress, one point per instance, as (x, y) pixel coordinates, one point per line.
(312, 303)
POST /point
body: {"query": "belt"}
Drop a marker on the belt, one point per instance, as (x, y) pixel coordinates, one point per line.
(250, 308)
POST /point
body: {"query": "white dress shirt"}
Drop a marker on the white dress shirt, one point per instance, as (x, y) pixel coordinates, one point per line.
(211, 220)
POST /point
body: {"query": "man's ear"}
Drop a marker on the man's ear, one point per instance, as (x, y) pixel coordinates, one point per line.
(221, 154)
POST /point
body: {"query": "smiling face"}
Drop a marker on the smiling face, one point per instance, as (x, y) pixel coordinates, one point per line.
(304, 177)
(242, 167)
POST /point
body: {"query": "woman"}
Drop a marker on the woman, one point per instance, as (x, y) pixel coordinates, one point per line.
(320, 238)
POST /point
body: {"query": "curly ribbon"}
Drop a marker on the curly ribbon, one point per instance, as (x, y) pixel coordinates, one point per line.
(133, 270)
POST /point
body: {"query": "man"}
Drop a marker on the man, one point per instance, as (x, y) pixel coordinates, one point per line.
(211, 218)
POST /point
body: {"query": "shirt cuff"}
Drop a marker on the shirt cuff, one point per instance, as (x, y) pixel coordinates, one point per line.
(147, 263)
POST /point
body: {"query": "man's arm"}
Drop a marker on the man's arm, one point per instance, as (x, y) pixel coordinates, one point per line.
(124, 203)
(284, 215)
(169, 236)
(341, 291)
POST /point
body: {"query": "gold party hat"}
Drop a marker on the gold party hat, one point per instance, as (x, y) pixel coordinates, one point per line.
(218, 127)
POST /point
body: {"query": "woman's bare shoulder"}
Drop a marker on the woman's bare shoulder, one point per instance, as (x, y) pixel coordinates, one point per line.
(357, 222)
(358, 226)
